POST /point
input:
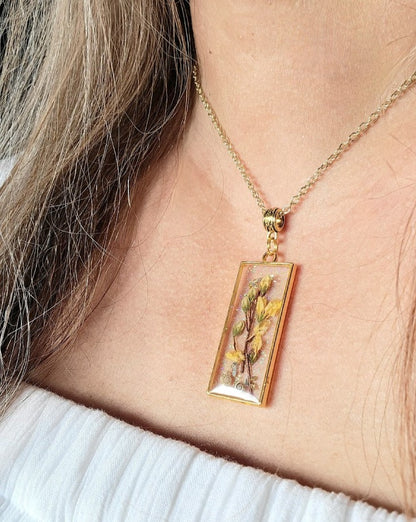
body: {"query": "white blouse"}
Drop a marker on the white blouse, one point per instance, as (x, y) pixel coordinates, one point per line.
(61, 461)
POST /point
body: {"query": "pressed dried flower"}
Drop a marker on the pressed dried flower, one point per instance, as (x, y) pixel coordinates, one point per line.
(260, 308)
(235, 356)
(273, 308)
(245, 304)
(253, 293)
(261, 328)
(265, 284)
(238, 328)
(257, 343)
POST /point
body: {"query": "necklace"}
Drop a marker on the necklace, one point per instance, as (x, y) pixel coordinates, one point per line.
(253, 328)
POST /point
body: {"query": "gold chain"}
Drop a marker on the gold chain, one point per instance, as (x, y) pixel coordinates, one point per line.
(354, 136)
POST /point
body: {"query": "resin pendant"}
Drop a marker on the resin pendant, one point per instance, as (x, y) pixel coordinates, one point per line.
(250, 339)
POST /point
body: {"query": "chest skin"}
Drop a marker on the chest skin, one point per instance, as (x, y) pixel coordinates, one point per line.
(146, 353)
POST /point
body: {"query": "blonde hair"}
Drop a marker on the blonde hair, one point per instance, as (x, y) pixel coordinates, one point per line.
(93, 93)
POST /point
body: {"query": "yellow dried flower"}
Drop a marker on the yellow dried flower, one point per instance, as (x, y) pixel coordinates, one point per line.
(273, 308)
(260, 308)
(235, 356)
(265, 284)
(257, 343)
(261, 328)
(238, 328)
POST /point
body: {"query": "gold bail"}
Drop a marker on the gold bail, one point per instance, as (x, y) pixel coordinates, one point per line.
(273, 221)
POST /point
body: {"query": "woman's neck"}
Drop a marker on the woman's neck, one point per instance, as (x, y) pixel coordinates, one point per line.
(290, 80)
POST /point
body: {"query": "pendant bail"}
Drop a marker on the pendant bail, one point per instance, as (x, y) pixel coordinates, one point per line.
(273, 221)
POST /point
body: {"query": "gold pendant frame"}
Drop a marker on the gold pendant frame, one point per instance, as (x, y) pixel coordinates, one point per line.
(247, 352)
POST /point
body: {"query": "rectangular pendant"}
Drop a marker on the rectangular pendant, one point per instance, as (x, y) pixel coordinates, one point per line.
(250, 339)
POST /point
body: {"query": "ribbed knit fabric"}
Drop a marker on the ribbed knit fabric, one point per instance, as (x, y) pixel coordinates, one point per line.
(61, 462)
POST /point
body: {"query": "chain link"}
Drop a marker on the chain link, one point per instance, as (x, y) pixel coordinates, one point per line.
(310, 182)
